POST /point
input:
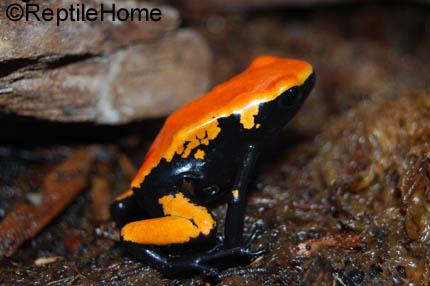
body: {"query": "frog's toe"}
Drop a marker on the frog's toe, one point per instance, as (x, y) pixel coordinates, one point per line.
(247, 252)
(250, 254)
(256, 232)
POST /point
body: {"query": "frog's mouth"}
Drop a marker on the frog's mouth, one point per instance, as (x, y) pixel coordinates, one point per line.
(308, 85)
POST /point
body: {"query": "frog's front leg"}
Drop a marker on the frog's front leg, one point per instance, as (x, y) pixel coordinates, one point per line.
(234, 245)
(234, 221)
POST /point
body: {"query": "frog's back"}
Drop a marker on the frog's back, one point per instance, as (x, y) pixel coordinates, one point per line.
(196, 123)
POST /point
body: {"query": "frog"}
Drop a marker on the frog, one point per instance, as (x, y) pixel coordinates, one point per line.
(205, 152)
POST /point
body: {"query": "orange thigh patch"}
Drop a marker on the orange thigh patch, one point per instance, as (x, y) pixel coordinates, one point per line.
(183, 222)
(160, 231)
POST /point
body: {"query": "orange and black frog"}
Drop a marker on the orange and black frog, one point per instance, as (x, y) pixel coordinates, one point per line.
(205, 151)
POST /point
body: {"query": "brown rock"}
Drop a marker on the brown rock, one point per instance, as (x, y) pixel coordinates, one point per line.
(102, 72)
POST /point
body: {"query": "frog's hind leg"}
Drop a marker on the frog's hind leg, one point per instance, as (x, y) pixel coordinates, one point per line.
(184, 223)
(166, 264)
(125, 209)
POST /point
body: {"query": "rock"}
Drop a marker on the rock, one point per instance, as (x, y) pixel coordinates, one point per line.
(103, 72)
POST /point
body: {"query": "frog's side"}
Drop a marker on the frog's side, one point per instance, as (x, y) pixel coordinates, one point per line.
(205, 150)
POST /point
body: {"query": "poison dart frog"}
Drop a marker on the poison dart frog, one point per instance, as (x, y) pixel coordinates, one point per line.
(206, 150)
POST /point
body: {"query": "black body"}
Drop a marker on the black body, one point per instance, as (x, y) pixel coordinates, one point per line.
(227, 166)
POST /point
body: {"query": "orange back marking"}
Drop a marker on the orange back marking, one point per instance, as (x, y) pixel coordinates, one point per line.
(197, 122)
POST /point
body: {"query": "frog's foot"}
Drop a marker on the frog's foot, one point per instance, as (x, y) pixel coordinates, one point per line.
(167, 264)
(257, 231)
(222, 257)
(207, 263)
(220, 240)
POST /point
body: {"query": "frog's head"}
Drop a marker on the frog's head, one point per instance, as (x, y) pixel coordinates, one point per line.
(285, 84)
(292, 97)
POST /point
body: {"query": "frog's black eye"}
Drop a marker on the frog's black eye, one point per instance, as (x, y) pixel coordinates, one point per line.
(290, 97)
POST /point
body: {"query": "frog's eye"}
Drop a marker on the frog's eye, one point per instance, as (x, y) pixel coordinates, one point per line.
(290, 97)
